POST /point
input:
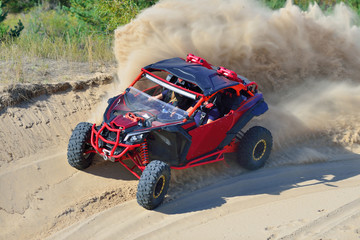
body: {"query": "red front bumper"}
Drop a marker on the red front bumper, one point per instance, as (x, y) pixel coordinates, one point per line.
(116, 146)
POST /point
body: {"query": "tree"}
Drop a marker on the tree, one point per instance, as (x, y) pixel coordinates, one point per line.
(18, 6)
(106, 16)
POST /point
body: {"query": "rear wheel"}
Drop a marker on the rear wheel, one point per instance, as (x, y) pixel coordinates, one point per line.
(153, 184)
(254, 148)
(79, 146)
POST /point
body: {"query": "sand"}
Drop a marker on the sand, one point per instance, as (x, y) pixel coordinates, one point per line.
(43, 197)
(40, 192)
(317, 201)
(306, 64)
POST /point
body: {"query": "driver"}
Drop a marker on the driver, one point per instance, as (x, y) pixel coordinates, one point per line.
(173, 98)
(207, 113)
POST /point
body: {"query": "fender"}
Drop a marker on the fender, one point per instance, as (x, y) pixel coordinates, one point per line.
(259, 108)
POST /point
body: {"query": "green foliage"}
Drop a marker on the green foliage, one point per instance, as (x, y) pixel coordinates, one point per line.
(13, 33)
(55, 24)
(355, 5)
(106, 16)
(17, 6)
(3, 14)
(5, 33)
(275, 4)
(324, 4)
(56, 34)
(303, 4)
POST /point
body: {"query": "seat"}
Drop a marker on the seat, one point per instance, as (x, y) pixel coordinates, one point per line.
(227, 100)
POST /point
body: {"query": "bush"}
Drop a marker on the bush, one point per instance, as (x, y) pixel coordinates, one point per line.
(55, 24)
(3, 28)
(324, 4)
(5, 31)
(106, 16)
(17, 6)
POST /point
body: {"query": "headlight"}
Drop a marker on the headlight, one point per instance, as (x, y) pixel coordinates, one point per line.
(136, 138)
(133, 138)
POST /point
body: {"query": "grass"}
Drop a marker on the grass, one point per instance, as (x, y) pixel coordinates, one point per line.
(52, 34)
(90, 48)
(57, 35)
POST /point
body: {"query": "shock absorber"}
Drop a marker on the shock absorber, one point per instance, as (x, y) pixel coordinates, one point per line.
(144, 152)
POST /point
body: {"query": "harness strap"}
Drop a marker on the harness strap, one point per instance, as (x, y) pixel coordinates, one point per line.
(205, 110)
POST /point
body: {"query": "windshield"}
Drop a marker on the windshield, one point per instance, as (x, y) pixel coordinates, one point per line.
(149, 107)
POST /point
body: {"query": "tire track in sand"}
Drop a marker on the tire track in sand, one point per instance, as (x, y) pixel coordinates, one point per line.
(323, 225)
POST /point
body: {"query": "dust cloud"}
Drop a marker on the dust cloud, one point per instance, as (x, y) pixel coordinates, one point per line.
(305, 62)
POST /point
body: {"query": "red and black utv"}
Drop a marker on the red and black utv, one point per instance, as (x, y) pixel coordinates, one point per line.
(162, 121)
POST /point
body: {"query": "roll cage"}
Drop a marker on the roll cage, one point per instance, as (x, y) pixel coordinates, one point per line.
(240, 88)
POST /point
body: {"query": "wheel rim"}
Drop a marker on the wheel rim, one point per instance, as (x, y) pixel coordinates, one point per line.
(259, 150)
(159, 187)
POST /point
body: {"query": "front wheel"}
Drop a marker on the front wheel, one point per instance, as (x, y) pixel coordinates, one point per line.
(153, 184)
(254, 148)
(79, 148)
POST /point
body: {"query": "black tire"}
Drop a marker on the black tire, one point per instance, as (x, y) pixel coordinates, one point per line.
(79, 143)
(254, 148)
(153, 184)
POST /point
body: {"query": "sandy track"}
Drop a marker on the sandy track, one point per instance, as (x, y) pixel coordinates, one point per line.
(274, 203)
(47, 195)
(40, 192)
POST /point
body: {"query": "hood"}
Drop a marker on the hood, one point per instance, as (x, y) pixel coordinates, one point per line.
(124, 122)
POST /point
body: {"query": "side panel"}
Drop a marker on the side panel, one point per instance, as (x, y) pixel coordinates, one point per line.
(206, 138)
(169, 146)
(218, 134)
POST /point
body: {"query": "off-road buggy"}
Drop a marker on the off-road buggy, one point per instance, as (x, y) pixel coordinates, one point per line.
(150, 135)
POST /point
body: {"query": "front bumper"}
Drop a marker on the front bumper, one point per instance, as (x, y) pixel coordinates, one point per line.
(109, 149)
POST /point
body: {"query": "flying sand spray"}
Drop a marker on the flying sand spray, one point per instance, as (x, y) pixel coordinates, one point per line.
(305, 62)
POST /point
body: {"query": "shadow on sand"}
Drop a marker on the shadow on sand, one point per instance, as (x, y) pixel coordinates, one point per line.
(109, 169)
(272, 181)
